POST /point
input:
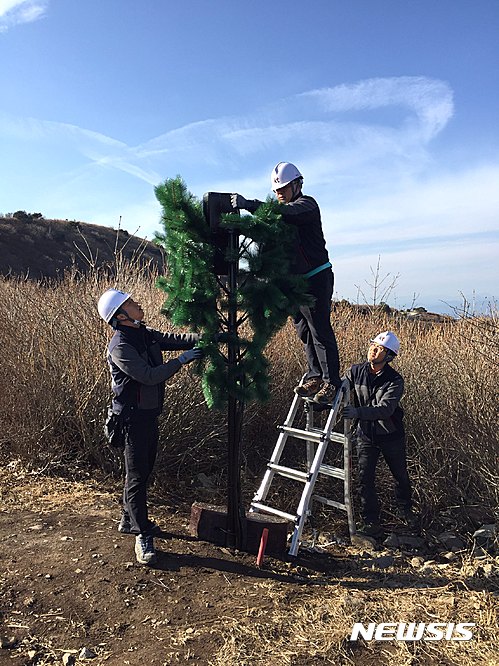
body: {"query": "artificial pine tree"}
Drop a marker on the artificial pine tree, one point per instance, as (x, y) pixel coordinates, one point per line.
(245, 309)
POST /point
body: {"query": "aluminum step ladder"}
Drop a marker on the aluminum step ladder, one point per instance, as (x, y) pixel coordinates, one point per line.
(317, 441)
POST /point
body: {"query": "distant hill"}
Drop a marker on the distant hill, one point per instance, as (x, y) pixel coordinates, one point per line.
(35, 247)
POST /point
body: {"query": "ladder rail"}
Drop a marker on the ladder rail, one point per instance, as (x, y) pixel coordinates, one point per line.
(317, 441)
(347, 486)
(262, 492)
(303, 510)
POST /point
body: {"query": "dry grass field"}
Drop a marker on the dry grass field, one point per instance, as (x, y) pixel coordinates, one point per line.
(67, 580)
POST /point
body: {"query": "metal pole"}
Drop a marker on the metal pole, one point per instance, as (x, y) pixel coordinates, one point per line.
(235, 513)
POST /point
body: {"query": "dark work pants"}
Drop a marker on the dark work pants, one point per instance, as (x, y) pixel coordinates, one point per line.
(394, 454)
(313, 325)
(141, 445)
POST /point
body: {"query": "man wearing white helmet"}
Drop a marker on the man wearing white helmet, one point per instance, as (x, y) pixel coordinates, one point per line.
(379, 429)
(138, 376)
(313, 323)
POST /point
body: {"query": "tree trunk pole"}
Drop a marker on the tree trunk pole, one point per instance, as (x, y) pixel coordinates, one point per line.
(235, 513)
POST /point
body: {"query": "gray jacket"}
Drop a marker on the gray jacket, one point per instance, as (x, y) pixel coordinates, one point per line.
(377, 399)
(138, 373)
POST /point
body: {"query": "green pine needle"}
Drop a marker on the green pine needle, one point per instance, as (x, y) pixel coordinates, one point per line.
(267, 295)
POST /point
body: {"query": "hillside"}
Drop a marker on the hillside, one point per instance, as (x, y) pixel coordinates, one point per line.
(35, 247)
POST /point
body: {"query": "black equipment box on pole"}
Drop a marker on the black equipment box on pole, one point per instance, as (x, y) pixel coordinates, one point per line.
(214, 205)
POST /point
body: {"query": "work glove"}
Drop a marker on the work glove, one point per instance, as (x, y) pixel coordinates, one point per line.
(237, 201)
(350, 412)
(190, 355)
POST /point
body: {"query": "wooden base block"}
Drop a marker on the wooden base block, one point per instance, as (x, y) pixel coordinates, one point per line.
(209, 523)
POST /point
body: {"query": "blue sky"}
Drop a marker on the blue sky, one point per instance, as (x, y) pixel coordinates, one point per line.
(389, 108)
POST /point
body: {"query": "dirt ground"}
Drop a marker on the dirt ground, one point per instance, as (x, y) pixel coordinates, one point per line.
(71, 591)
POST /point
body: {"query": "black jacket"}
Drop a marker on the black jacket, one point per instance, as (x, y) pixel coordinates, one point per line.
(310, 246)
(138, 373)
(377, 398)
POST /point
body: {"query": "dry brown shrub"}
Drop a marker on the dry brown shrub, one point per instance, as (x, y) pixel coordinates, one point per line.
(451, 406)
(55, 388)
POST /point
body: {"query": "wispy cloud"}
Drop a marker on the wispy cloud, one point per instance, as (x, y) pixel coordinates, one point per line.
(315, 126)
(15, 12)
(451, 204)
(366, 150)
(358, 136)
(101, 151)
(430, 100)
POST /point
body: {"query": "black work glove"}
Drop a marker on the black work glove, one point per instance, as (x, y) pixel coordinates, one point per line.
(350, 412)
(237, 201)
(190, 355)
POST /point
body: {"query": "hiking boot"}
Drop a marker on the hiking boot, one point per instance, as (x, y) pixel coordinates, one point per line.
(370, 529)
(408, 517)
(326, 394)
(144, 549)
(125, 526)
(309, 388)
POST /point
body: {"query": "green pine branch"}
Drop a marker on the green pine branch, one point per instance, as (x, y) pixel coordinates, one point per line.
(267, 291)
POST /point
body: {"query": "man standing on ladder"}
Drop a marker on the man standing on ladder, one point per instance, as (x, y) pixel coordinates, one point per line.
(313, 323)
(378, 428)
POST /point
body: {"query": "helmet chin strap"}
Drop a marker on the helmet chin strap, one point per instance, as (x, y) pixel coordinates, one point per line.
(385, 360)
(382, 361)
(296, 188)
(137, 322)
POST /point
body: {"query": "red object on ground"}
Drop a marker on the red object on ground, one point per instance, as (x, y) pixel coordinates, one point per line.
(263, 545)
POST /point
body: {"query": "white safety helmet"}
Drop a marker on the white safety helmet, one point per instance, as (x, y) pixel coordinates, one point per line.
(110, 302)
(388, 340)
(283, 174)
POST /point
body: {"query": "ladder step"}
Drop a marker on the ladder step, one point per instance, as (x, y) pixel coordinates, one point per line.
(308, 435)
(336, 472)
(289, 472)
(314, 435)
(328, 502)
(275, 512)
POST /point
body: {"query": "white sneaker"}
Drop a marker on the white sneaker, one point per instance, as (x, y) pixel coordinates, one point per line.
(144, 549)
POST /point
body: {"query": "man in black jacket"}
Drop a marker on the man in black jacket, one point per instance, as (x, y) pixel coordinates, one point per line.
(138, 376)
(313, 323)
(379, 429)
